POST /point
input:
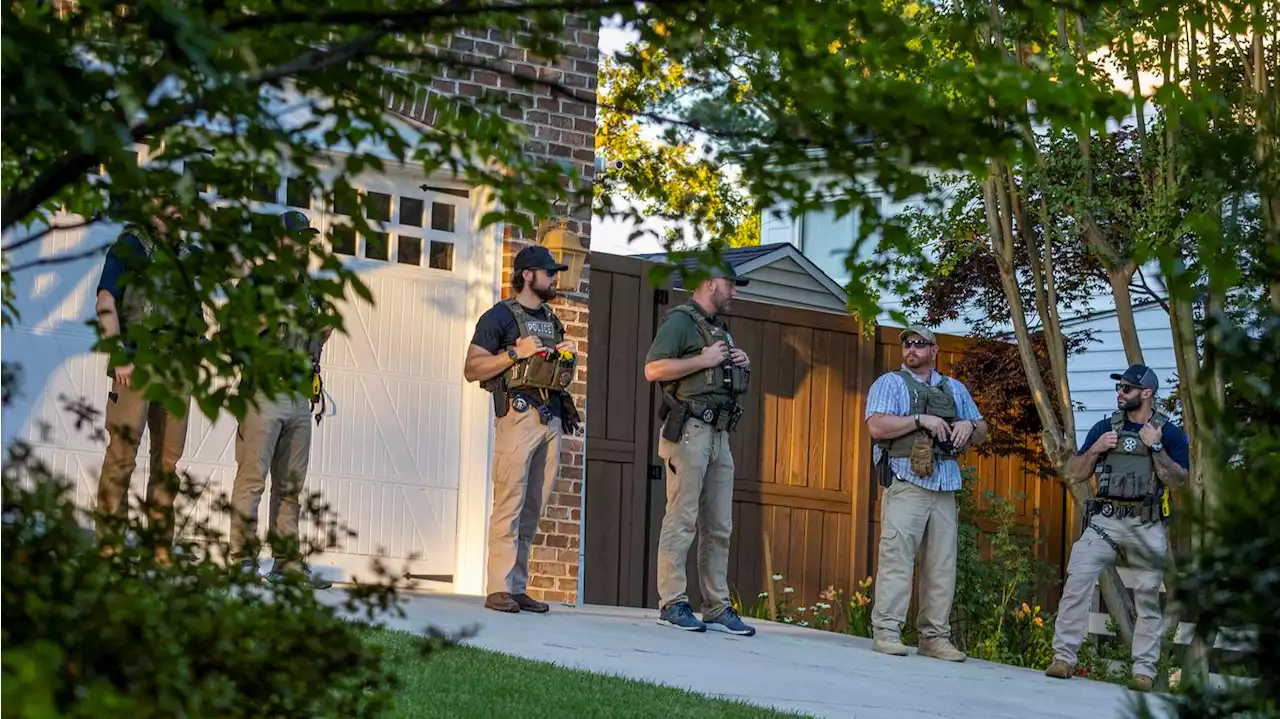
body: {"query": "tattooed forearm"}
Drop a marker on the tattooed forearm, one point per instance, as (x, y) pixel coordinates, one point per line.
(1169, 471)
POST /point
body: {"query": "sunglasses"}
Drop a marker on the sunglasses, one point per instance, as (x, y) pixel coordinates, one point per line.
(917, 343)
(1123, 388)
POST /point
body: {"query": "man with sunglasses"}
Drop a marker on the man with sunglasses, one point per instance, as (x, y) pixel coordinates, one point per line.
(1137, 455)
(921, 421)
(519, 353)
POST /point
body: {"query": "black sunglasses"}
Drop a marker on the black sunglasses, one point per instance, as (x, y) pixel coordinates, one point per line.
(917, 343)
(1126, 388)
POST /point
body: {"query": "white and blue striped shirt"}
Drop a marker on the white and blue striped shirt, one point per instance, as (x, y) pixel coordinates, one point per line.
(889, 395)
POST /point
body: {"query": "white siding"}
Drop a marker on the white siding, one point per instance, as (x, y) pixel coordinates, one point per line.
(1089, 372)
(786, 283)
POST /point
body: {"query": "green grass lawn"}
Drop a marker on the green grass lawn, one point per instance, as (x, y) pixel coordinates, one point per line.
(468, 682)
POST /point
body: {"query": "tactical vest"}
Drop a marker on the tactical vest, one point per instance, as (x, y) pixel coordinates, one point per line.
(1127, 473)
(135, 307)
(295, 338)
(726, 378)
(925, 399)
(548, 369)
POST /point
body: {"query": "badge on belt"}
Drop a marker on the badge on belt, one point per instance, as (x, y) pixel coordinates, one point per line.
(520, 403)
(708, 415)
(1107, 509)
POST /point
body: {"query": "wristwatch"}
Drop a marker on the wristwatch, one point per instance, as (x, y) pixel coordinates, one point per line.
(511, 352)
(1157, 447)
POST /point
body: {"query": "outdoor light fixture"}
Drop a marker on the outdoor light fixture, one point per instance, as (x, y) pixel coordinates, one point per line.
(565, 245)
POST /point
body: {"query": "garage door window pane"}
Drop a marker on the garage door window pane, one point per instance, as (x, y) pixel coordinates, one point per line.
(409, 250)
(411, 210)
(441, 255)
(375, 246)
(377, 206)
(297, 193)
(442, 217)
(344, 201)
(344, 240)
(265, 192)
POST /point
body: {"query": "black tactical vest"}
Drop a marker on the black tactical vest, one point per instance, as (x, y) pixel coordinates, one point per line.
(549, 369)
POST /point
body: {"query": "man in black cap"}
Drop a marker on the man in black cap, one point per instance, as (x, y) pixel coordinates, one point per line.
(275, 435)
(702, 376)
(1137, 455)
(520, 354)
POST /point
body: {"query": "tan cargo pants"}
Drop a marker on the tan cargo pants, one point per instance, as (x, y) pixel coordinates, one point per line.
(275, 437)
(1144, 547)
(699, 499)
(526, 460)
(126, 416)
(909, 517)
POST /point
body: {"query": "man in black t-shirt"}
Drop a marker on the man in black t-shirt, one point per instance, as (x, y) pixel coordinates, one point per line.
(520, 354)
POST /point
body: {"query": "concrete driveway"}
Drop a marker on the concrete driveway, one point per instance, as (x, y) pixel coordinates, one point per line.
(814, 672)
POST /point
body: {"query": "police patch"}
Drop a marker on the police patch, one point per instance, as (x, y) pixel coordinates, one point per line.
(541, 328)
(1130, 444)
(521, 404)
(708, 415)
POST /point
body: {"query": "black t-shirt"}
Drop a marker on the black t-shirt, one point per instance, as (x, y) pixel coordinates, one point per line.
(497, 330)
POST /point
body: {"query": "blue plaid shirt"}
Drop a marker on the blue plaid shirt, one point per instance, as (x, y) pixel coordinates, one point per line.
(889, 395)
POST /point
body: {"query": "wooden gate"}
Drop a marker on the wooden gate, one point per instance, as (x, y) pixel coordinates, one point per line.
(804, 496)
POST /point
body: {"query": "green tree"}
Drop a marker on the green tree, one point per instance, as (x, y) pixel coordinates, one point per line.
(664, 175)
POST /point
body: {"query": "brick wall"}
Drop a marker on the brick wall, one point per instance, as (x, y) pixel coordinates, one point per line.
(562, 129)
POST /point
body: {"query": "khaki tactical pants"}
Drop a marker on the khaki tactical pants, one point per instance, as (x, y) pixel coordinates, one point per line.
(274, 437)
(126, 416)
(526, 461)
(699, 498)
(1143, 546)
(910, 516)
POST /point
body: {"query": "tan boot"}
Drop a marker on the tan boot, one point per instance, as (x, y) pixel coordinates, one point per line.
(940, 649)
(1060, 670)
(1141, 683)
(892, 647)
(502, 602)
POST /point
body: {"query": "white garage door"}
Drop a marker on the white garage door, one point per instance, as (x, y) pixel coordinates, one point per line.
(387, 455)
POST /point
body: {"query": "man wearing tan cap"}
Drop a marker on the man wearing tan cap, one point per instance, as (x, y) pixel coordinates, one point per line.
(921, 421)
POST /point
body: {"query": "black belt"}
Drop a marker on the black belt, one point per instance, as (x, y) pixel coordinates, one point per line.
(721, 417)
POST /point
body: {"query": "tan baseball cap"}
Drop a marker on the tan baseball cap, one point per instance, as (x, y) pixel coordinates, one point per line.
(924, 332)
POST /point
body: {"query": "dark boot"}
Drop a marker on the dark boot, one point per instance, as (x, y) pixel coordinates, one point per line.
(502, 602)
(529, 604)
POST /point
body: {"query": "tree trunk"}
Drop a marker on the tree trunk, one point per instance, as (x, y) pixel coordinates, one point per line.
(1059, 447)
(1120, 276)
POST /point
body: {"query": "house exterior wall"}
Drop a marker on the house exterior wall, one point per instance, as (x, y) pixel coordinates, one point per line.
(787, 284)
(1089, 373)
(562, 129)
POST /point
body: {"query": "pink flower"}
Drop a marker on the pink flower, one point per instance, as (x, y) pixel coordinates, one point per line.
(827, 594)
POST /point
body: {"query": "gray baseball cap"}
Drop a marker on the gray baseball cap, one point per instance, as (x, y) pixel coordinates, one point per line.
(924, 332)
(1139, 375)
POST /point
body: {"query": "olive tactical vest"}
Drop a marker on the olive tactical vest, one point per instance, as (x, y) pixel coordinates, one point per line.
(136, 307)
(547, 370)
(936, 400)
(1127, 473)
(725, 379)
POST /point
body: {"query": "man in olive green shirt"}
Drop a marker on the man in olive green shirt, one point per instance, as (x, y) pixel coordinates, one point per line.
(702, 375)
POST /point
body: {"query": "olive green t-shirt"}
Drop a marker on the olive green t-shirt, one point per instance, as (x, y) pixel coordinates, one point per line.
(677, 338)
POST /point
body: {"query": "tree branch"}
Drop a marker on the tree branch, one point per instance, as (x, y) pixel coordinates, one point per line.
(22, 201)
(416, 18)
(19, 244)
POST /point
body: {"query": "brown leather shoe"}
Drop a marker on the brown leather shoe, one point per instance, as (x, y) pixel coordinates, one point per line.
(1059, 669)
(502, 602)
(529, 604)
(1141, 683)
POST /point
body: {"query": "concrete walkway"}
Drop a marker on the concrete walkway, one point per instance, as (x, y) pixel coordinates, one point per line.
(819, 673)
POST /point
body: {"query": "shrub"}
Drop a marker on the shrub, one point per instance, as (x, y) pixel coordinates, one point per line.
(91, 633)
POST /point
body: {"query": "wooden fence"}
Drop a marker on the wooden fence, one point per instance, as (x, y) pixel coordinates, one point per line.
(802, 452)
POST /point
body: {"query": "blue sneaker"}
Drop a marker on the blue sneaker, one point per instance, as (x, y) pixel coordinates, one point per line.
(680, 616)
(728, 621)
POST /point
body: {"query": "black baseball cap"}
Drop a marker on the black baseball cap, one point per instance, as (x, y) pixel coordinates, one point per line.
(727, 272)
(537, 257)
(1139, 375)
(294, 221)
